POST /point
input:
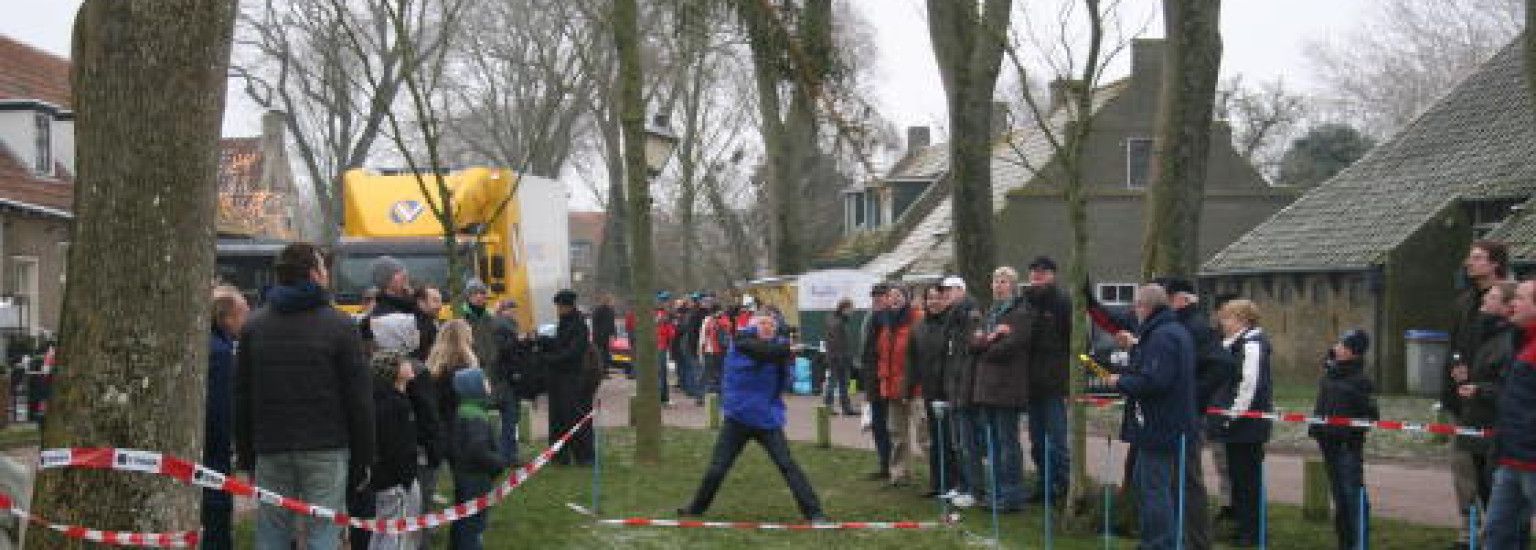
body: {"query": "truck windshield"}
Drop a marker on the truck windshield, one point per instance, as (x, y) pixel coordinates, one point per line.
(354, 273)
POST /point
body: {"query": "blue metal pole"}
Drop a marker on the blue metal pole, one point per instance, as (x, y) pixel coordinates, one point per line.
(597, 457)
(1109, 453)
(992, 478)
(940, 418)
(1472, 527)
(1360, 531)
(1048, 489)
(1263, 509)
(1179, 527)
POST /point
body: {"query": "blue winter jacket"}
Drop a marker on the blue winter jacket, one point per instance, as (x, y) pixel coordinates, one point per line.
(756, 373)
(1515, 430)
(1161, 385)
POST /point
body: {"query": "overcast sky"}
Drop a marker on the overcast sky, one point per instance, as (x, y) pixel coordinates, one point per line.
(1263, 40)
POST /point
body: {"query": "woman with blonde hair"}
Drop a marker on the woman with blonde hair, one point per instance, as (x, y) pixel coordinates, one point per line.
(453, 351)
(1249, 390)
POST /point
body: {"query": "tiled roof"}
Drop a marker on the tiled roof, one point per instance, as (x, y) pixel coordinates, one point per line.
(30, 73)
(927, 163)
(19, 184)
(927, 248)
(1478, 141)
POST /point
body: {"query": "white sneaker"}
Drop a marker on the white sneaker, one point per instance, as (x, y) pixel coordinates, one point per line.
(949, 495)
(963, 500)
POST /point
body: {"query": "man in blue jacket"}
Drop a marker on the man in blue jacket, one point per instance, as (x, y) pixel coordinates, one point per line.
(1160, 416)
(756, 375)
(229, 312)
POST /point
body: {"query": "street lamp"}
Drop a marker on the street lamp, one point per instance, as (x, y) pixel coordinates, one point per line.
(659, 144)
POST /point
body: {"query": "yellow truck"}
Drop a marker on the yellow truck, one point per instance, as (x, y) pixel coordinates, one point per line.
(518, 246)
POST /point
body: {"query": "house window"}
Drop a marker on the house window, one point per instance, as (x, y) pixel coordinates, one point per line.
(1116, 293)
(44, 123)
(581, 252)
(856, 218)
(1138, 162)
(872, 210)
(24, 286)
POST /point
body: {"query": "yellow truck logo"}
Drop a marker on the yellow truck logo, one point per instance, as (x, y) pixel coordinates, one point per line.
(406, 211)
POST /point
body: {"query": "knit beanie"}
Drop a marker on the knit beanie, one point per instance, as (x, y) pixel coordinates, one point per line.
(470, 383)
(1356, 340)
(384, 269)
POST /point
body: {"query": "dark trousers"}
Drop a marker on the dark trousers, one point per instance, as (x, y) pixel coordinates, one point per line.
(217, 521)
(466, 534)
(569, 401)
(1345, 462)
(360, 504)
(837, 385)
(1245, 463)
(1197, 521)
(714, 363)
(881, 432)
(733, 436)
(818, 373)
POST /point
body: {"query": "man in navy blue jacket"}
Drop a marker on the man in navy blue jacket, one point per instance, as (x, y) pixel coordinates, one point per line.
(1160, 417)
(756, 376)
(229, 312)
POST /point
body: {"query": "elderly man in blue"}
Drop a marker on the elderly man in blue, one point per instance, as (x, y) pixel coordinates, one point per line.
(756, 374)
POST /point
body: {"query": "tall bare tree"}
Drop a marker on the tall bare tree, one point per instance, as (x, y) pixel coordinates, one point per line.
(335, 87)
(1191, 66)
(968, 42)
(1405, 55)
(149, 83)
(1264, 119)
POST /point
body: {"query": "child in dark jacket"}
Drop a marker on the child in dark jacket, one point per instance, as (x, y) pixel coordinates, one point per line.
(475, 459)
(1345, 391)
(395, 492)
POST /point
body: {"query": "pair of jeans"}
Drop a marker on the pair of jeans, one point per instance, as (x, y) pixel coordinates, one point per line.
(837, 385)
(735, 435)
(688, 374)
(943, 461)
(881, 433)
(1509, 509)
(467, 533)
(1048, 430)
(510, 408)
(1156, 471)
(1245, 462)
(1345, 461)
(714, 363)
(970, 450)
(316, 477)
(1005, 456)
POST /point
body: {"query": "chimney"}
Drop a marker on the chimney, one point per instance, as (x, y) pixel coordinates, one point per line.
(918, 137)
(1000, 116)
(1063, 92)
(1147, 62)
(274, 153)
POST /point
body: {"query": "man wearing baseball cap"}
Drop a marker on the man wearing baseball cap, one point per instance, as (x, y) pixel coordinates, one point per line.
(1048, 379)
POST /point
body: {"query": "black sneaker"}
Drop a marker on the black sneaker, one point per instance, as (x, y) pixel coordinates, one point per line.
(684, 512)
(877, 476)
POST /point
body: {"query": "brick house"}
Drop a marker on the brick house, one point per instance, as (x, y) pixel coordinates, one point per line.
(899, 226)
(257, 197)
(1379, 246)
(37, 164)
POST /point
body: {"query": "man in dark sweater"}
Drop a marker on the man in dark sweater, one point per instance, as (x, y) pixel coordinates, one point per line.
(304, 415)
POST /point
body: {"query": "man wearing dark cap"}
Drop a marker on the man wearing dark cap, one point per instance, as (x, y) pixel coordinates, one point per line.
(1048, 379)
(869, 381)
(571, 384)
(1345, 390)
(391, 324)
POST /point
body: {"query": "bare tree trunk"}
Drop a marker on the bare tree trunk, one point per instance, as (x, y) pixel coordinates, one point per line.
(968, 43)
(768, 42)
(646, 407)
(613, 257)
(1191, 65)
(149, 82)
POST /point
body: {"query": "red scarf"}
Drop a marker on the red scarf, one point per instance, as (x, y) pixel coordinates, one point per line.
(1528, 347)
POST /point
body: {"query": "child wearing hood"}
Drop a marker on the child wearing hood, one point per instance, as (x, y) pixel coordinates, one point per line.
(475, 459)
(1345, 391)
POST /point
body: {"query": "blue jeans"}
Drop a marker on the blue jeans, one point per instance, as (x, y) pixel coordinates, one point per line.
(881, 432)
(468, 533)
(970, 449)
(1345, 461)
(1048, 429)
(316, 477)
(510, 410)
(1005, 456)
(1155, 473)
(688, 374)
(1509, 509)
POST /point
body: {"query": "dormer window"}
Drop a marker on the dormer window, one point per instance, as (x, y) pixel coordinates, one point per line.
(44, 125)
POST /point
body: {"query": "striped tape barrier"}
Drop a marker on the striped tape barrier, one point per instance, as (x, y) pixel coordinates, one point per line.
(155, 463)
(1340, 421)
(765, 526)
(184, 539)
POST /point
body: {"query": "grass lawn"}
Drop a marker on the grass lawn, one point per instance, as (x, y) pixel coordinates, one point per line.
(537, 515)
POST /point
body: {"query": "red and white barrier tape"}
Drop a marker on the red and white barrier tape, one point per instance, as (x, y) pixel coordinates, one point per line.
(151, 462)
(818, 526)
(185, 539)
(1340, 421)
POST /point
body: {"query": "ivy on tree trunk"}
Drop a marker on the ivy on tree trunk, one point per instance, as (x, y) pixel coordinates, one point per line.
(149, 82)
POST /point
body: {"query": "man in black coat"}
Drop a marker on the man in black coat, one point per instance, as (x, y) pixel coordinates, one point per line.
(572, 385)
(304, 418)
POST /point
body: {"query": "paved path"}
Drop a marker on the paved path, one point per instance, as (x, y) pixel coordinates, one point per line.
(1417, 494)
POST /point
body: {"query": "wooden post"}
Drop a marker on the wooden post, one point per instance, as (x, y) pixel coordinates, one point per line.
(524, 422)
(823, 426)
(1314, 491)
(712, 401)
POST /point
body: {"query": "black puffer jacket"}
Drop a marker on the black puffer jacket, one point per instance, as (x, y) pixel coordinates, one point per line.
(1344, 391)
(1487, 369)
(301, 383)
(396, 464)
(1050, 314)
(927, 356)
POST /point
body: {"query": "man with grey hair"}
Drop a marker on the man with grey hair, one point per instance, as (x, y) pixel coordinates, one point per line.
(1160, 419)
(391, 324)
(1001, 386)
